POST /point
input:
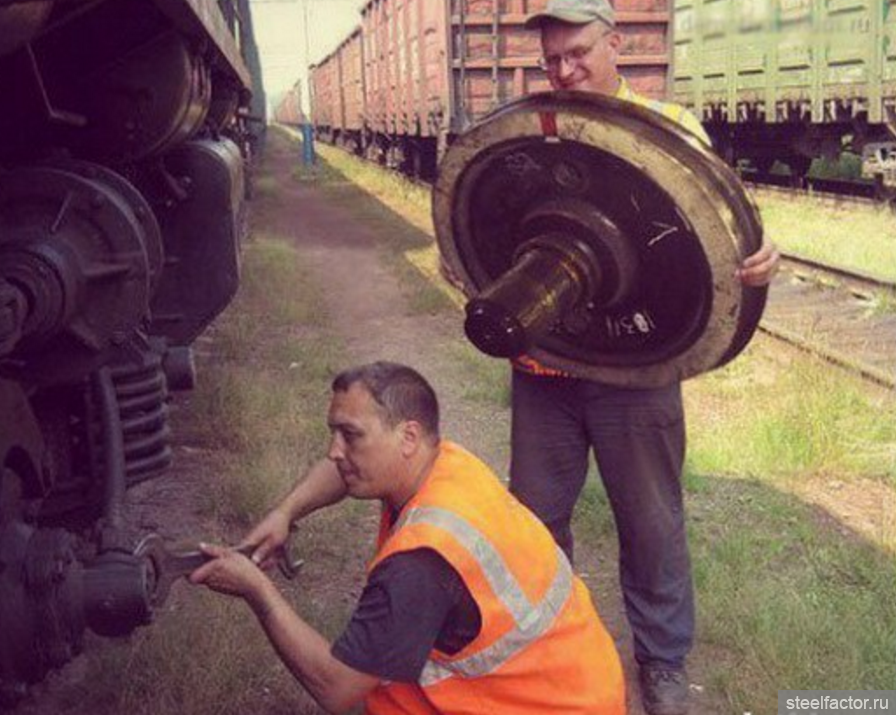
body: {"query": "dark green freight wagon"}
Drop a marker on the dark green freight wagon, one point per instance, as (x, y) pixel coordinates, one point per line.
(791, 80)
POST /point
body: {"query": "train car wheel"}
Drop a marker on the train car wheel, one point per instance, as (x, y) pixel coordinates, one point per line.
(600, 239)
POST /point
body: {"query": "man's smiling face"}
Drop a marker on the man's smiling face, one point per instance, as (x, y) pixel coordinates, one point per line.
(581, 57)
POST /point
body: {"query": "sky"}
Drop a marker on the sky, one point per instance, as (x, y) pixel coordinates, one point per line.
(280, 33)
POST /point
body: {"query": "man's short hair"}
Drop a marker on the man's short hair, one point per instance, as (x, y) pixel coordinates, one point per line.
(574, 12)
(401, 392)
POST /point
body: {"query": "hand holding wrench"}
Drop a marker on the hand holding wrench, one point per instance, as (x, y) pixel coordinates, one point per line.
(166, 565)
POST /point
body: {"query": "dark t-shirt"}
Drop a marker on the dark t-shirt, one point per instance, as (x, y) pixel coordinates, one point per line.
(413, 601)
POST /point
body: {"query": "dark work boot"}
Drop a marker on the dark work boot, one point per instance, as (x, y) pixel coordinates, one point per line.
(664, 690)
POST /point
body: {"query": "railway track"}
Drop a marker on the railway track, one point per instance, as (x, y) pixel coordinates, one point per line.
(844, 317)
(827, 191)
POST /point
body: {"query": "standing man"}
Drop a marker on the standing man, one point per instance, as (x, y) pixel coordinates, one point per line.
(638, 436)
(469, 607)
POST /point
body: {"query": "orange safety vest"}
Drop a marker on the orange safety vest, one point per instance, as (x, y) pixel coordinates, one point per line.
(541, 648)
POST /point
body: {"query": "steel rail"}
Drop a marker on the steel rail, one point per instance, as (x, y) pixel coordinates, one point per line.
(834, 357)
(828, 197)
(867, 280)
(857, 283)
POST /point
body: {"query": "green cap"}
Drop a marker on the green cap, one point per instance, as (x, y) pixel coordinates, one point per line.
(574, 12)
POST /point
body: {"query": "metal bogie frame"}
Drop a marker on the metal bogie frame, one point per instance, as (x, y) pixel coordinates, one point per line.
(124, 175)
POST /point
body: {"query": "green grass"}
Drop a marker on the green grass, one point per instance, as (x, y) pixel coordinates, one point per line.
(225, 648)
(846, 166)
(409, 199)
(789, 596)
(794, 598)
(207, 658)
(805, 419)
(592, 517)
(790, 603)
(861, 238)
(488, 380)
(263, 398)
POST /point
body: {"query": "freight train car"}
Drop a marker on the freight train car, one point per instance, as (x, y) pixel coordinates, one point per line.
(337, 85)
(789, 80)
(289, 110)
(418, 72)
(123, 140)
(773, 80)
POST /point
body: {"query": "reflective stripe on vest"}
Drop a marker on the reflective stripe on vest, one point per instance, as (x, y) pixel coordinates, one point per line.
(532, 620)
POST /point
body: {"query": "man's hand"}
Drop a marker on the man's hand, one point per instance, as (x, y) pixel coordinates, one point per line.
(230, 573)
(269, 538)
(759, 268)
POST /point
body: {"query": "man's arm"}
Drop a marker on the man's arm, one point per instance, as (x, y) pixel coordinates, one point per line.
(413, 601)
(322, 486)
(335, 686)
(759, 268)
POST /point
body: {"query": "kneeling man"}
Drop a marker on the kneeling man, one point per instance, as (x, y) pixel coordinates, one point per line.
(469, 607)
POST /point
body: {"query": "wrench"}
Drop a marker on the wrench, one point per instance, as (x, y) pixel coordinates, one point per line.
(166, 565)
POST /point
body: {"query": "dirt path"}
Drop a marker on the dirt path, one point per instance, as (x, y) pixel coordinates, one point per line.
(372, 315)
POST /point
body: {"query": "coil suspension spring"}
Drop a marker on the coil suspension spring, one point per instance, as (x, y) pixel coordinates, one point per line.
(141, 390)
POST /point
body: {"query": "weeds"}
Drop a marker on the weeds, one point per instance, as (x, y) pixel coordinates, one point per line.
(861, 238)
(883, 304)
(788, 423)
(208, 657)
(794, 605)
(488, 379)
(394, 191)
(266, 393)
(796, 602)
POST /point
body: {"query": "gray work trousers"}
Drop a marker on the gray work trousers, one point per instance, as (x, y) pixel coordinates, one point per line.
(638, 437)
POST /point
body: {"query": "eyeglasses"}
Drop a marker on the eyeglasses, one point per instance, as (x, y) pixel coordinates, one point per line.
(574, 57)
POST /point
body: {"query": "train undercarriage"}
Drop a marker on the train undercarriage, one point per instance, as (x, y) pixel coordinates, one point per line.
(413, 155)
(798, 142)
(123, 172)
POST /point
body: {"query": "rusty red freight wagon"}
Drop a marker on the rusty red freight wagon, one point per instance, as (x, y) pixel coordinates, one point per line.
(773, 81)
(331, 93)
(429, 68)
(324, 90)
(338, 95)
(338, 99)
(289, 110)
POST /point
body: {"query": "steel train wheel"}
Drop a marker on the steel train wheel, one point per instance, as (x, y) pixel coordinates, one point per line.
(599, 238)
